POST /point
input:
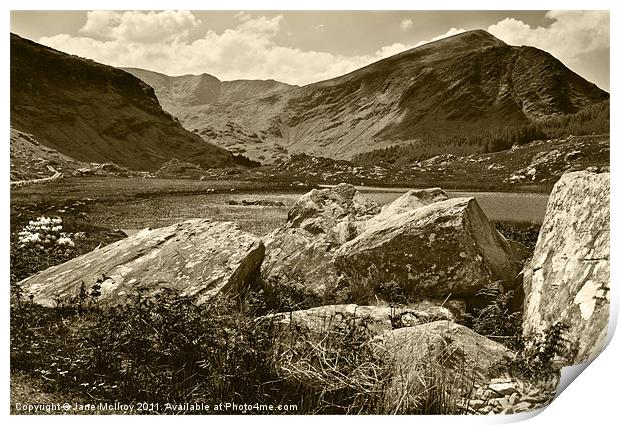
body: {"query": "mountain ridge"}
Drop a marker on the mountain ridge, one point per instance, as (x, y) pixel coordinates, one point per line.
(462, 84)
(202, 89)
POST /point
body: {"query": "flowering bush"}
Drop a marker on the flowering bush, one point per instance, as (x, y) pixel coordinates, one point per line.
(44, 232)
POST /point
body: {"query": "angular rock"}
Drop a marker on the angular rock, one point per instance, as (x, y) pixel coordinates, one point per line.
(412, 200)
(567, 279)
(199, 258)
(447, 247)
(296, 255)
(321, 210)
(374, 320)
(301, 252)
(437, 353)
(503, 388)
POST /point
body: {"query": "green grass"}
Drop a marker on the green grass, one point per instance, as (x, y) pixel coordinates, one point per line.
(114, 188)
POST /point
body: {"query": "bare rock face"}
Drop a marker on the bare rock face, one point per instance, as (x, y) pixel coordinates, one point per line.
(439, 354)
(317, 224)
(447, 247)
(296, 255)
(198, 257)
(331, 211)
(374, 320)
(412, 200)
(567, 279)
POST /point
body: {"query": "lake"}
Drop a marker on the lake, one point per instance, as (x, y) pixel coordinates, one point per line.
(169, 209)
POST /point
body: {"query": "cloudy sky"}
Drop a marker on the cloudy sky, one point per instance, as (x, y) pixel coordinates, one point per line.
(300, 47)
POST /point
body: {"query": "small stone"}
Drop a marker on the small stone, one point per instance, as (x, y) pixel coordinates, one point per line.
(523, 407)
(513, 398)
(477, 404)
(503, 388)
(503, 403)
(507, 411)
(485, 409)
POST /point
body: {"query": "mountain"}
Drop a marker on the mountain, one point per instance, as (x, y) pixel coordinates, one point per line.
(174, 93)
(96, 113)
(464, 84)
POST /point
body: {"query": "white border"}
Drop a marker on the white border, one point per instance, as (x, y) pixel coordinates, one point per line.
(591, 399)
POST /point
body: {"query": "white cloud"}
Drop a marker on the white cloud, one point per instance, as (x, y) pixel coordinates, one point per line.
(159, 41)
(406, 24)
(140, 27)
(449, 33)
(570, 35)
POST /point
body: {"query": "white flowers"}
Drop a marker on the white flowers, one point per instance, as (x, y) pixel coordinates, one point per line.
(44, 231)
(65, 241)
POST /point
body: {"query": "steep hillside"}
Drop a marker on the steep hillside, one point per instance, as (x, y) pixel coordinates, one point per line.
(185, 90)
(465, 84)
(96, 113)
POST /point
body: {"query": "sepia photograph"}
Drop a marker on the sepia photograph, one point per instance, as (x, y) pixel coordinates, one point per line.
(306, 212)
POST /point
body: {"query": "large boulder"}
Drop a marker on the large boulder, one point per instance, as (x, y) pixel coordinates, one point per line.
(332, 211)
(444, 248)
(567, 279)
(411, 200)
(436, 361)
(198, 258)
(300, 253)
(374, 320)
(294, 256)
(335, 249)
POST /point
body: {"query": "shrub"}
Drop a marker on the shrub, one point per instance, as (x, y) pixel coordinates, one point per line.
(158, 349)
(496, 319)
(166, 349)
(543, 354)
(524, 233)
(336, 368)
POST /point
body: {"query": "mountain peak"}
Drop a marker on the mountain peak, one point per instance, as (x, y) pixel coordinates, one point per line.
(472, 39)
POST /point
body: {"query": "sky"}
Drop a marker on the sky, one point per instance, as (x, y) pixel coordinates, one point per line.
(301, 47)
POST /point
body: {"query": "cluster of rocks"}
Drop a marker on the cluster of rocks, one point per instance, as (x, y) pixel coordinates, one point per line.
(508, 395)
(428, 246)
(435, 253)
(257, 203)
(565, 157)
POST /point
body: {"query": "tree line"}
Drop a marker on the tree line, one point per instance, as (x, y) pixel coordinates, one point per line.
(591, 119)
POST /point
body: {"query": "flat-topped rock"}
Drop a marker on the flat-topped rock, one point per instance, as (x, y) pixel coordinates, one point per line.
(200, 258)
(373, 319)
(444, 248)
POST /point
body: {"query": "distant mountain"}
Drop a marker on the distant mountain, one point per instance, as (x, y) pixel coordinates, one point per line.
(96, 113)
(204, 89)
(460, 85)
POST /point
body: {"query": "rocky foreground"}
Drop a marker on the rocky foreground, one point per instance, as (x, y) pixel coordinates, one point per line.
(398, 280)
